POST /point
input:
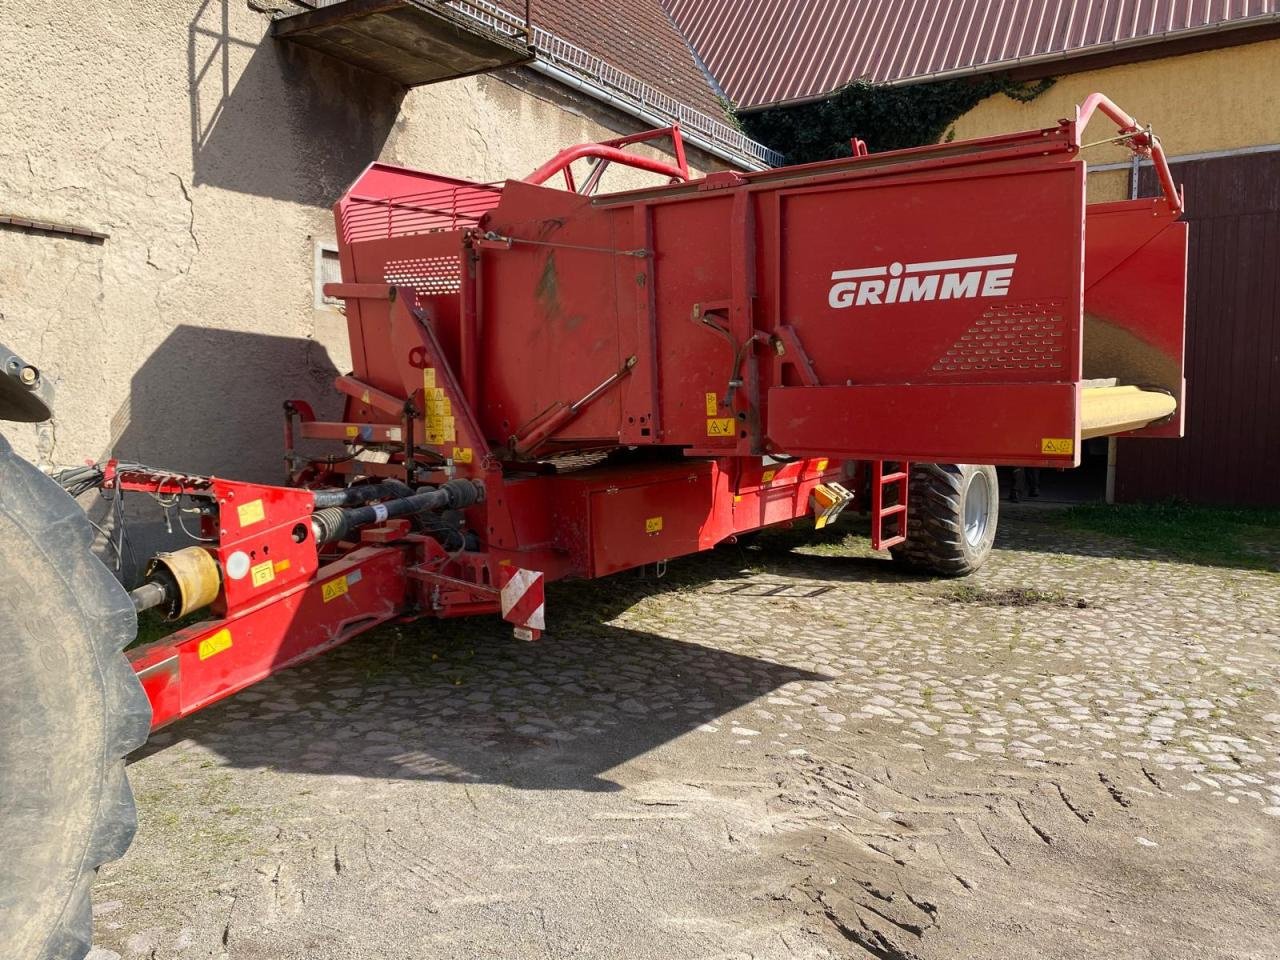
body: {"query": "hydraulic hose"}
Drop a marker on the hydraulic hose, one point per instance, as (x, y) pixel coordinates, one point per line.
(364, 493)
(334, 523)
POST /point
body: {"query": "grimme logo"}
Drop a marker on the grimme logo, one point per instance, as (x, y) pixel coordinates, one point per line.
(914, 282)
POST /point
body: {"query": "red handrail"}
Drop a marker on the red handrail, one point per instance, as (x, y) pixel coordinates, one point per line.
(610, 151)
(1141, 140)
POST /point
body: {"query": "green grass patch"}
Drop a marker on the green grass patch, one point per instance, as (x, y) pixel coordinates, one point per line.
(153, 626)
(1212, 536)
(1011, 597)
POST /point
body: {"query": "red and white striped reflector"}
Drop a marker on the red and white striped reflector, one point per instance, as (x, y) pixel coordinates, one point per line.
(523, 599)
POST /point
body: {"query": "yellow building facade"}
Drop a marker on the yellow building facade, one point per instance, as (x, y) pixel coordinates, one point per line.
(1208, 102)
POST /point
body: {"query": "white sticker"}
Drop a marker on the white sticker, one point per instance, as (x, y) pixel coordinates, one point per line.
(238, 565)
(379, 512)
(353, 578)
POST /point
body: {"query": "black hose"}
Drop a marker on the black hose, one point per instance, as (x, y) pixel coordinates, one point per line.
(334, 523)
(364, 493)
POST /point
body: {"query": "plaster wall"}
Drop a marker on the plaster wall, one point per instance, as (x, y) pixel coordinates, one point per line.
(211, 154)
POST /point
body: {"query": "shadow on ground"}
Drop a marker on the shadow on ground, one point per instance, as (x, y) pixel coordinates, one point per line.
(463, 701)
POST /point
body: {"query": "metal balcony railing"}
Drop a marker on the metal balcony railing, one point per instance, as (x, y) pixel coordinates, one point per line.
(569, 56)
(595, 71)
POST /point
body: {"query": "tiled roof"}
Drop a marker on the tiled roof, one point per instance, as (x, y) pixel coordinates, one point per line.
(767, 51)
(635, 35)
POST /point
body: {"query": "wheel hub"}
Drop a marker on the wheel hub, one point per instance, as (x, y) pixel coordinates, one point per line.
(977, 509)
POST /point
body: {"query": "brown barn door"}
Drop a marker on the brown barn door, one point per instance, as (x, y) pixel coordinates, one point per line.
(1231, 452)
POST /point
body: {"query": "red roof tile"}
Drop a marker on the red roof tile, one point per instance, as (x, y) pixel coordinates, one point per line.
(766, 51)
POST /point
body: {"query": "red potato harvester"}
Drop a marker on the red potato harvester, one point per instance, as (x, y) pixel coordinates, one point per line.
(551, 383)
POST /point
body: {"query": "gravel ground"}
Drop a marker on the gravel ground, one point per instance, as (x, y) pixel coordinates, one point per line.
(768, 753)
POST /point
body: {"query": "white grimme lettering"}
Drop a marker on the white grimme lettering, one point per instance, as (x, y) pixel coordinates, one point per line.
(954, 286)
(842, 294)
(997, 283)
(869, 291)
(919, 288)
(918, 282)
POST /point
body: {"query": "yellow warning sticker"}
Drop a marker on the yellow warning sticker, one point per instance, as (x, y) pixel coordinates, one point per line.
(262, 573)
(1057, 446)
(428, 379)
(720, 427)
(713, 405)
(820, 465)
(353, 431)
(282, 565)
(653, 525)
(461, 454)
(333, 589)
(214, 644)
(251, 513)
(768, 475)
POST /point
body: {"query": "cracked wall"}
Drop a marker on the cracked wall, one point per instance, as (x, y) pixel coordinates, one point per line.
(211, 156)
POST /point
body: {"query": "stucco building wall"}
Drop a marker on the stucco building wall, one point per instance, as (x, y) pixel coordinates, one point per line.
(1196, 103)
(211, 155)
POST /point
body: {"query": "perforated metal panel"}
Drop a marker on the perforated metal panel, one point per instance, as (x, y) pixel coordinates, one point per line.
(1024, 335)
(428, 276)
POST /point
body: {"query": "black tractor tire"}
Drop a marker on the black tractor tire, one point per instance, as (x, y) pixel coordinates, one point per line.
(72, 710)
(940, 497)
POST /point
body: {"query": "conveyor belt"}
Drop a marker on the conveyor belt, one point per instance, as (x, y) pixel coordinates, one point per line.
(1108, 410)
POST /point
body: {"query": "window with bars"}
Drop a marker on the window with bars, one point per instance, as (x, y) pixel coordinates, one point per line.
(327, 270)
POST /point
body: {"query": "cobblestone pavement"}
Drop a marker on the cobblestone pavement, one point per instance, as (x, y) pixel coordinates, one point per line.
(768, 753)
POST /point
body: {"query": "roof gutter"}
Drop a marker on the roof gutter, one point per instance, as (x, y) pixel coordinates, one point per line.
(1000, 66)
(597, 92)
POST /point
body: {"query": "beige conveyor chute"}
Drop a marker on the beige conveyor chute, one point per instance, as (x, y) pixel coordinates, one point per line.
(1105, 410)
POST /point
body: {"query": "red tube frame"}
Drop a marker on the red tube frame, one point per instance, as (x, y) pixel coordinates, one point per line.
(1142, 141)
(611, 151)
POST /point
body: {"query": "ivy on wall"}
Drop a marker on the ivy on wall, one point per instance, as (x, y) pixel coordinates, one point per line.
(887, 118)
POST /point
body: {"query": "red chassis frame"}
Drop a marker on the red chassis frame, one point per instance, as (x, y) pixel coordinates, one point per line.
(294, 601)
(598, 352)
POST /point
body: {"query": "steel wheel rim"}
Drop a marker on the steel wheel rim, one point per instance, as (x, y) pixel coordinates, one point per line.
(977, 509)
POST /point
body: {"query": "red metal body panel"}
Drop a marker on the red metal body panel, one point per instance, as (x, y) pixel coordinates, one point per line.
(1010, 421)
(1135, 301)
(840, 290)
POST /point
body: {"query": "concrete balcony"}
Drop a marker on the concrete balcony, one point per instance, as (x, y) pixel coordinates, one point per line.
(414, 42)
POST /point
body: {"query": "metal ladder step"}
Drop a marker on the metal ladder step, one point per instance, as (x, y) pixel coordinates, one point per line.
(880, 482)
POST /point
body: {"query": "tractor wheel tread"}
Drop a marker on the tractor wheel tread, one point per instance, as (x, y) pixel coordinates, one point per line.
(936, 540)
(82, 618)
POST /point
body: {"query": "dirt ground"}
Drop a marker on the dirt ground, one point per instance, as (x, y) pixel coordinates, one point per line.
(768, 753)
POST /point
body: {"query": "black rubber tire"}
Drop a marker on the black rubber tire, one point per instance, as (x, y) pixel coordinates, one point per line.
(72, 710)
(936, 541)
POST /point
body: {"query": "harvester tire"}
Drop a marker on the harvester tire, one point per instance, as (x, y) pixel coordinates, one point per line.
(72, 710)
(952, 511)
